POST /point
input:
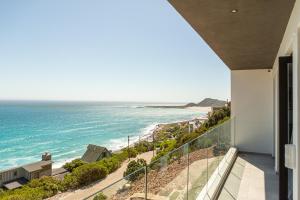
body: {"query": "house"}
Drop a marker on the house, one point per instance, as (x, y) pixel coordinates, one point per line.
(95, 153)
(16, 177)
(259, 41)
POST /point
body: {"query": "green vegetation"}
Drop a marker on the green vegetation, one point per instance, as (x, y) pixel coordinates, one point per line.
(168, 138)
(143, 146)
(70, 166)
(173, 136)
(89, 173)
(132, 152)
(111, 164)
(100, 196)
(135, 169)
(81, 173)
(36, 189)
(164, 148)
(170, 131)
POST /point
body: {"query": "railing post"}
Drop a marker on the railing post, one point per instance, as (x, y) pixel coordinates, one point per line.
(206, 168)
(128, 149)
(153, 141)
(188, 172)
(233, 130)
(146, 181)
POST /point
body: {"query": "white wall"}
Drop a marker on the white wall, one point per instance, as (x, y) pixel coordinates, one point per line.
(252, 107)
(290, 45)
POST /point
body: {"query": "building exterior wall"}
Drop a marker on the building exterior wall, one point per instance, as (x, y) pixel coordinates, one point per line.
(46, 171)
(252, 108)
(290, 45)
(10, 175)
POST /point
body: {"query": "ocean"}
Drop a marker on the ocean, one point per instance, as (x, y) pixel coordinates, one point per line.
(30, 128)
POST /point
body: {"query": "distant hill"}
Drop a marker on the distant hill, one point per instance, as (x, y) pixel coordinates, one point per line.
(207, 102)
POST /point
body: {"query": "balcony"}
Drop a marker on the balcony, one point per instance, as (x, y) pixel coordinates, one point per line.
(251, 177)
(208, 167)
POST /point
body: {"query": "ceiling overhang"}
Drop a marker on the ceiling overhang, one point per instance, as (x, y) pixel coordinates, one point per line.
(245, 34)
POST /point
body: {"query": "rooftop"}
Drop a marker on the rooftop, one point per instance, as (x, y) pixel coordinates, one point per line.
(15, 184)
(36, 166)
(93, 153)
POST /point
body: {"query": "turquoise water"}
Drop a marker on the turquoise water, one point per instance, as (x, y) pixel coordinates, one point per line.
(27, 129)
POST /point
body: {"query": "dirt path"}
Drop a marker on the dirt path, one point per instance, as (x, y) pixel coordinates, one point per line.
(111, 178)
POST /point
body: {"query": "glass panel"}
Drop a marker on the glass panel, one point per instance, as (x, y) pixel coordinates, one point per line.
(197, 166)
(130, 186)
(213, 151)
(181, 174)
(167, 176)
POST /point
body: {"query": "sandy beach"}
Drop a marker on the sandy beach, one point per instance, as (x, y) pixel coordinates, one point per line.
(200, 109)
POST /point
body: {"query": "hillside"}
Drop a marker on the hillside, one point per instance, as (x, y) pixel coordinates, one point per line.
(207, 102)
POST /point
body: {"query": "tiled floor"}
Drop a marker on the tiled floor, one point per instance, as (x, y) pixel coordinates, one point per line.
(251, 178)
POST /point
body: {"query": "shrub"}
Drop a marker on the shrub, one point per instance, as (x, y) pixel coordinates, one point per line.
(135, 169)
(120, 156)
(24, 193)
(100, 196)
(70, 182)
(143, 146)
(89, 173)
(127, 153)
(132, 153)
(164, 148)
(70, 166)
(111, 164)
(47, 184)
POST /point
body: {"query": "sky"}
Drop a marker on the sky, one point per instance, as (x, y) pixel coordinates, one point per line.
(96, 50)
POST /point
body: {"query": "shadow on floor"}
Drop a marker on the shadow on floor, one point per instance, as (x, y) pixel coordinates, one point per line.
(251, 177)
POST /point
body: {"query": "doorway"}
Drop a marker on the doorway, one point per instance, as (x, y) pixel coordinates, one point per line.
(285, 124)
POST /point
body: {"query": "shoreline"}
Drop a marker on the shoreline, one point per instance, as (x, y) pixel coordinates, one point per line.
(145, 134)
(145, 137)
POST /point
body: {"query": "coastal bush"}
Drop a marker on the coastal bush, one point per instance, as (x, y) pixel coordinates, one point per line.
(132, 153)
(49, 185)
(70, 166)
(120, 156)
(125, 153)
(215, 117)
(111, 164)
(89, 173)
(170, 131)
(36, 189)
(70, 182)
(100, 196)
(143, 146)
(164, 148)
(135, 169)
(24, 193)
(184, 138)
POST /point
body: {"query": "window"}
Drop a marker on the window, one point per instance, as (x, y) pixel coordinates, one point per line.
(15, 173)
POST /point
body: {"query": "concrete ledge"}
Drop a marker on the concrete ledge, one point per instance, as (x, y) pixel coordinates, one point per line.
(213, 186)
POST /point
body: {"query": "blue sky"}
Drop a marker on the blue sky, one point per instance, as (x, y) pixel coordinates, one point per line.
(133, 50)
